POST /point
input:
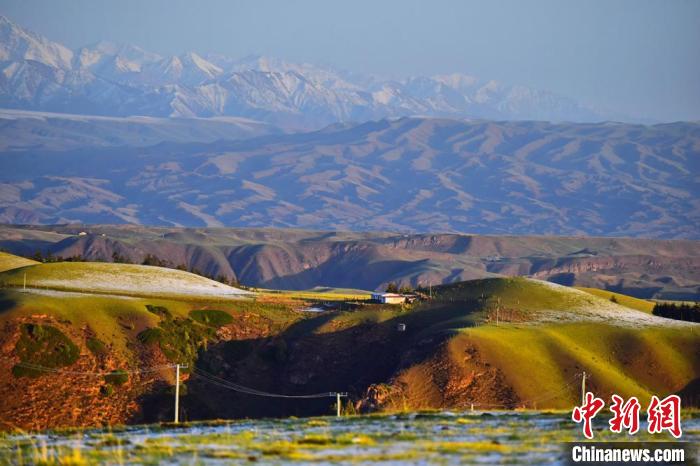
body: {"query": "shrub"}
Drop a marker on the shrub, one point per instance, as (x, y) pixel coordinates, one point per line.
(118, 377)
(43, 345)
(151, 336)
(152, 259)
(179, 339)
(212, 318)
(160, 311)
(22, 371)
(97, 347)
(106, 390)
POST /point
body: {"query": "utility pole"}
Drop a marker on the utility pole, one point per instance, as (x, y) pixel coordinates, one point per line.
(24, 286)
(337, 401)
(177, 391)
(583, 389)
(430, 289)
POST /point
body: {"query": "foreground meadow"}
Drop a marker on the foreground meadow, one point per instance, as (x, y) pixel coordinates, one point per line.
(444, 438)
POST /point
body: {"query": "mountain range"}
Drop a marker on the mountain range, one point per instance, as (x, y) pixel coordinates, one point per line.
(124, 80)
(113, 133)
(403, 175)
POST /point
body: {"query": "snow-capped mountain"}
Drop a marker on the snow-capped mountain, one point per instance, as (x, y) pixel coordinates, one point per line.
(126, 58)
(117, 79)
(18, 44)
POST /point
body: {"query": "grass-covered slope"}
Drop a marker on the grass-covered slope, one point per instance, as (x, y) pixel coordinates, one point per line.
(524, 300)
(127, 279)
(10, 261)
(643, 305)
(494, 343)
(522, 343)
(95, 341)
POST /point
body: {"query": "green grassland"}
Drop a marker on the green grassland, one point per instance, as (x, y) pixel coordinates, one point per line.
(516, 292)
(318, 294)
(10, 261)
(108, 278)
(427, 438)
(330, 289)
(628, 301)
(506, 342)
(540, 362)
(116, 320)
(629, 362)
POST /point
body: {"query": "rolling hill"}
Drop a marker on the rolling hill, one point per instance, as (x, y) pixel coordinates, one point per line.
(108, 278)
(643, 305)
(525, 343)
(300, 259)
(10, 261)
(85, 358)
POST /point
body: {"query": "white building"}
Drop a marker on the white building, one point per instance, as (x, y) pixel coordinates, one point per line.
(389, 298)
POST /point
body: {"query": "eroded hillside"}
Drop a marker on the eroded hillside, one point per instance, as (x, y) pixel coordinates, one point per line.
(298, 259)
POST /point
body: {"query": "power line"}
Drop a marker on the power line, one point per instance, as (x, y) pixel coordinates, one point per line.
(213, 379)
(227, 384)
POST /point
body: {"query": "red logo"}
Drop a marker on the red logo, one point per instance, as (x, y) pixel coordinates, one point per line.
(665, 415)
(587, 412)
(661, 415)
(624, 415)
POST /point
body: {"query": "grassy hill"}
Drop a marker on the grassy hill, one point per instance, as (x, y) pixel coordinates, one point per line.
(10, 261)
(127, 279)
(495, 343)
(643, 305)
(545, 337)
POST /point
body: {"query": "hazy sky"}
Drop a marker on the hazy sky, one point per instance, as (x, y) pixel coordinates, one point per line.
(641, 58)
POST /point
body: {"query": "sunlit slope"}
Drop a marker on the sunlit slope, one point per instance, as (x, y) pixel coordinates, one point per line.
(627, 301)
(116, 278)
(41, 329)
(113, 319)
(524, 300)
(534, 354)
(10, 261)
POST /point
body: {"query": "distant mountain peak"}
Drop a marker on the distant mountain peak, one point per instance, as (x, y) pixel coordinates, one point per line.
(202, 64)
(17, 43)
(124, 79)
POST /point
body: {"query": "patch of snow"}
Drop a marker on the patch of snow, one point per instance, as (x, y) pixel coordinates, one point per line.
(600, 310)
(312, 309)
(106, 278)
(69, 294)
